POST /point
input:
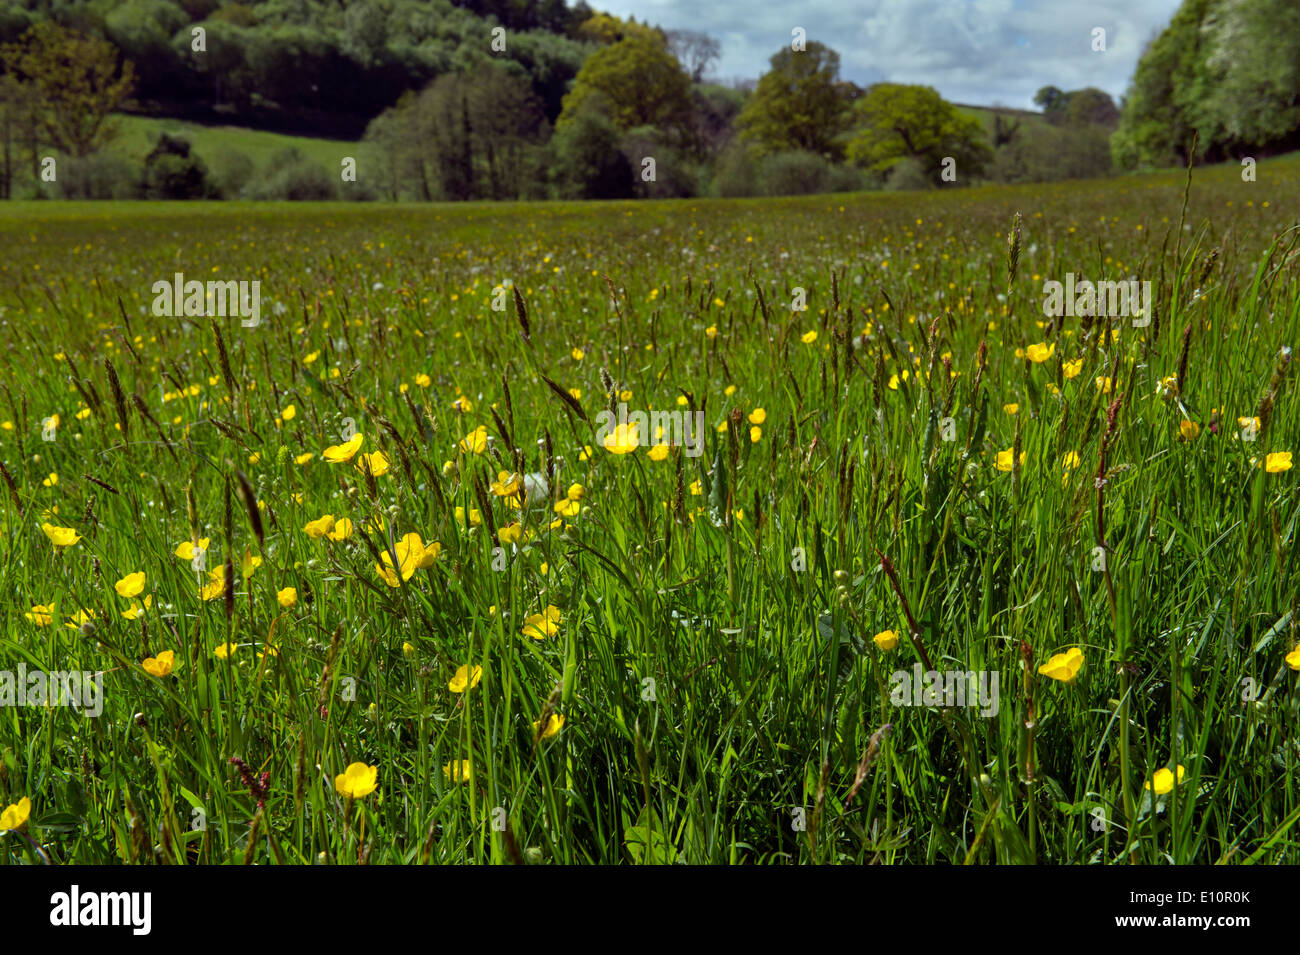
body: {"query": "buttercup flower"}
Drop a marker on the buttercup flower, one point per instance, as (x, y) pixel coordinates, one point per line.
(287, 597)
(466, 678)
(185, 549)
(41, 615)
(377, 463)
(320, 527)
(475, 442)
(1004, 460)
(1163, 781)
(1041, 352)
(553, 727)
(357, 781)
(457, 771)
(61, 536)
(539, 626)
(1277, 462)
(886, 639)
(130, 585)
(1063, 666)
(624, 439)
(161, 665)
(15, 815)
(342, 453)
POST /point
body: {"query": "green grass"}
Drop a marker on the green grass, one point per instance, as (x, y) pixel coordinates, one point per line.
(139, 135)
(714, 661)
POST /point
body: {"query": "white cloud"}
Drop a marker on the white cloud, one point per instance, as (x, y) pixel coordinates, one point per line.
(972, 51)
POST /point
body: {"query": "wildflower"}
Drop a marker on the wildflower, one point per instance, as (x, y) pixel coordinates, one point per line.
(411, 555)
(1293, 658)
(130, 585)
(61, 536)
(553, 726)
(1004, 459)
(1072, 369)
(1063, 666)
(1041, 352)
(510, 534)
(1070, 460)
(423, 380)
(52, 480)
(135, 609)
(214, 588)
(377, 463)
(161, 665)
(40, 615)
(757, 416)
(185, 549)
(507, 485)
(886, 639)
(457, 771)
(1104, 385)
(1277, 462)
(342, 530)
(1163, 780)
(1011, 409)
(755, 435)
(287, 597)
(539, 626)
(289, 412)
(225, 651)
(357, 781)
(623, 439)
(808, 337)
(16, 814)
(567, 508)
(320, 527)
(475, 442)
(1189, 429)
(658, 453)
(466, 678)
(345, 452)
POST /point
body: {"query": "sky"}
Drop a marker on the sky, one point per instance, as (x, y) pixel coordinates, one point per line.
(980, 52)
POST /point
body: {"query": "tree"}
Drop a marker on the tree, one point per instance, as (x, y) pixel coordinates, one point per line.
(694, 50)
(639, 82)
(74, 79)
(1091, 105)
(587, 154)
(915, 122)
(799, 104)
(607, 29)
(1167, 95)
(171, 171)
(1053, 101)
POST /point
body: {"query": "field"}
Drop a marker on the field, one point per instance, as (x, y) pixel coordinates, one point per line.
(621, 650)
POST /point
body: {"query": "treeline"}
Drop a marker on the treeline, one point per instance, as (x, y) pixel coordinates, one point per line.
(506, 99)
(1224, 74)
(314, 67)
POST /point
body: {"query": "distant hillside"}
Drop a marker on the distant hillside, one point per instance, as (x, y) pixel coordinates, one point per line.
(316, 66)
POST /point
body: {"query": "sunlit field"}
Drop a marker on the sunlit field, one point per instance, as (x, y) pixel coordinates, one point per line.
(372, 580)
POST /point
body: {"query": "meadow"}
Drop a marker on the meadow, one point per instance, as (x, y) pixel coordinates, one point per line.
(365, 586)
